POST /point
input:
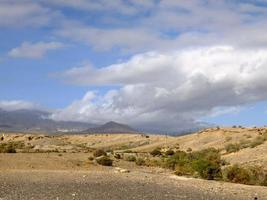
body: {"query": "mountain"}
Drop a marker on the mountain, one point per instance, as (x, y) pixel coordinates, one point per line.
(112, 127)
(39, 121)
(36, 120)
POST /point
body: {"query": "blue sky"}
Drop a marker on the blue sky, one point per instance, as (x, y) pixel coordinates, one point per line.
(161, 64)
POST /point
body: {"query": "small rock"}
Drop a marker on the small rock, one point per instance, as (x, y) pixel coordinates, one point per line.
(124, 171)
(121, 170)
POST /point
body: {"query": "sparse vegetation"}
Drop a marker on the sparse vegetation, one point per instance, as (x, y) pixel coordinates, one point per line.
(230, 148)
(244, 144)
(189, 149)
(169, 152)
(104, 160)
(228, 138)
(11, 147)
(131, 158)
(156, 152)
(207, 169)
(140, 161)
(91, 158)
(245, 175)
(99, 152)
(248, 136)
(7, 148)
(128, 151)
(205, 164)
(257, 141)
(117, 156)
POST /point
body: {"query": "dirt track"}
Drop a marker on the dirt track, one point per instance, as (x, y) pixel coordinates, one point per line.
(102, 185)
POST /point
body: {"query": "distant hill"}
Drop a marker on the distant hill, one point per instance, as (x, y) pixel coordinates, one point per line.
(37, 121)
(112, 127)
(40, 121)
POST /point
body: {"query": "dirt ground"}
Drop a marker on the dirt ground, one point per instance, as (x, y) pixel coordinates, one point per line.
(72, 176)
(58, 167)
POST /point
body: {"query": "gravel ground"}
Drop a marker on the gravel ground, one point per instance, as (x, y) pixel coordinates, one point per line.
(108, 185)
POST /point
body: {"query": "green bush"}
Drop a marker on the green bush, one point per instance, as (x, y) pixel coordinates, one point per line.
(154, 163)
(117, 156)
(189, 150)
(156, 152)
(169, 152)
(183, 170)
(264, 181)
(131, 158)
(205, 163)
(211, 154)
(128, 151)
(99, 152)
(251, 175)
(207, 169)
(180, 158)
(140, 161)
(104, 160)
(10, 149)
(91, 158)
(237, 174)
(7, 148)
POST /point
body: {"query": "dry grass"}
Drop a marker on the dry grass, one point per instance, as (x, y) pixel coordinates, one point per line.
(217, 138)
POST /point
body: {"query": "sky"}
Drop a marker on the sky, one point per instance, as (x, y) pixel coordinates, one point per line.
(162, 65)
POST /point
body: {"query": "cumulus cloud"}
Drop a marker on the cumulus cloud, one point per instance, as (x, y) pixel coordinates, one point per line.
(170, 90)
(34, 50)
(16, 105)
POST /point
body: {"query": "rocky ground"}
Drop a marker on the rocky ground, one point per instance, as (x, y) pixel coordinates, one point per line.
(112, 185)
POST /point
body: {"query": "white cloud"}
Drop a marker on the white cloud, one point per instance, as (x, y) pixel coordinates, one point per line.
(17, 105)
(139, 26)
(218, 111)
(172, 25)
(170, 90)
(25, 13)
(180, 79)
(126, 39)
(107, 7)
(34, 50)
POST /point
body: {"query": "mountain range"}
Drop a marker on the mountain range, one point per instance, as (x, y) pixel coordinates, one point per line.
(39, 121)
(111, 127)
